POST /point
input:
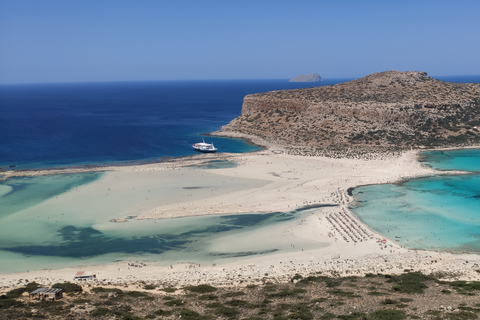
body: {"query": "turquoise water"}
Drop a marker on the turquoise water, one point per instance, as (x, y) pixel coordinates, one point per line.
(40, 229)
(20, 193)
(461, 159)
(43, 224)
(434, 213)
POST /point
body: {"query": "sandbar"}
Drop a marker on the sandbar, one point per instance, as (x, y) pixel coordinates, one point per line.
(265, 181)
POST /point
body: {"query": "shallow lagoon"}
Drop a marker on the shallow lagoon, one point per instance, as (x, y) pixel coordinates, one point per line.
(63, 221)
(459, 159)
(434, 213)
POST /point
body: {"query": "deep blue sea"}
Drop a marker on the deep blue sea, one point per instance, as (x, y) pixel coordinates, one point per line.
(45, 125)
(48, 125)
(96, 123)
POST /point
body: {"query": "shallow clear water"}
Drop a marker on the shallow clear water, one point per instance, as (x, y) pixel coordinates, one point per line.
(167, 241)
(461, 159)
(67, 223)
(440, 212)
(18, 193)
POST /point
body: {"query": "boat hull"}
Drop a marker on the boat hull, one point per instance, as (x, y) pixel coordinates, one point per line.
(205, 150)
(204, 147)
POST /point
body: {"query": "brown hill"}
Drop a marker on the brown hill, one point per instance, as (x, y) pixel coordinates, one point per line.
(387, 110)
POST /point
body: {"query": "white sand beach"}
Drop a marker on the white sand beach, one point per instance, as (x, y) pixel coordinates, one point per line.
(266, 181)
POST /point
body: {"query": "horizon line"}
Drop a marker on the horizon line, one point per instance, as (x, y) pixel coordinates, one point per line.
(211, 79)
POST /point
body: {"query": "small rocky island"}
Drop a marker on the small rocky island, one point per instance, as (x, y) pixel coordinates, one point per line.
(313, 77)
(389, 110)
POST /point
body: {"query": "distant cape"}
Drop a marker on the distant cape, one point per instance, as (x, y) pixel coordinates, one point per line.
(313, 77)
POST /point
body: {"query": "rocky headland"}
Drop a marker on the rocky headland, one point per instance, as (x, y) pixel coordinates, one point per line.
(390, 110)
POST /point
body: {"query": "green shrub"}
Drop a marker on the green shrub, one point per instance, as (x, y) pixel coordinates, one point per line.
(237, 303)
(187, 314)
(462, 315)
(286, 293)
(32, 286)
(300, 311)
(387, 315)
(51, 306)
(465, 287)
(309, 279)
(15, 293)
(201, 288)
(333, 282)
(412, 282)
(161, 312)
(389, 301)
(353, 316)
(130, 316)
(101, 289)
(342, 293)
(297, 277)
(227, 312)
(233, 294)
(149, 287)
(101, 312)
(213, 305)
(136, 294)
(270, 288)
(6, 303)
(208, 297)
(68, 287)
(175, 302)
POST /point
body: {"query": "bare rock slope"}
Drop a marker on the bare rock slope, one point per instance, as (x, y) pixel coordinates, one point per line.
(388, 110)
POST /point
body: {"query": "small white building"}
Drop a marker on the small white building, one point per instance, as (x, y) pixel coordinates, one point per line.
(82, 275)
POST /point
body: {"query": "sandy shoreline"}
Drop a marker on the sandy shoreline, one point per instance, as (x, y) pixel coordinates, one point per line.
(265, 181)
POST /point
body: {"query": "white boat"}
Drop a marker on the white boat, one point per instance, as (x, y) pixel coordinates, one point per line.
(204, 147)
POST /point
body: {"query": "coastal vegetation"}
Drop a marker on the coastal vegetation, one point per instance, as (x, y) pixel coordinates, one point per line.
(411, 295)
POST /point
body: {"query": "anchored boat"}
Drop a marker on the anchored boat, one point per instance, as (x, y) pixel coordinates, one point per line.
(204, 147)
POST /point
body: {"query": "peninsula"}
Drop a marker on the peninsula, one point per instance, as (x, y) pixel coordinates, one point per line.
(383, 111)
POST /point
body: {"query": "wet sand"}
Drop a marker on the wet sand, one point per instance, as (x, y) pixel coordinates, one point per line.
(265, 181)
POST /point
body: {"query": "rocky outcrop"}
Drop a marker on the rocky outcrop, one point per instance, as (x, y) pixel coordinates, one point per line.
(391, 110)
(313, 77)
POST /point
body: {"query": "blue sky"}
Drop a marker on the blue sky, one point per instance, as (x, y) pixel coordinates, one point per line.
(117, 40)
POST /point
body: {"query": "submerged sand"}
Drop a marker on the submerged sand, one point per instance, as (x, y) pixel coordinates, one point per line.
(265, 181)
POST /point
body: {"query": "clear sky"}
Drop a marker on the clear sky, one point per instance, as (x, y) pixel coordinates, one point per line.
(116, 40)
